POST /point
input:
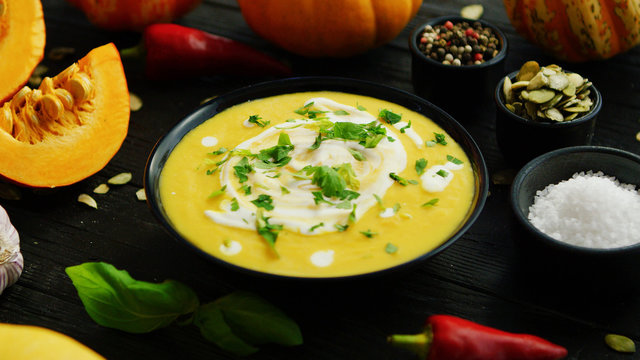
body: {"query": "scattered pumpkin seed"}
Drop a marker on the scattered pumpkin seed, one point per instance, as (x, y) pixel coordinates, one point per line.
(101, 189)
(620, 343)
(120, 179)
(547, 93)
(87, 200)
(472, 12)
(10, 192)
(59, 53)
(135, 103)
(141, 195)
(638, 136)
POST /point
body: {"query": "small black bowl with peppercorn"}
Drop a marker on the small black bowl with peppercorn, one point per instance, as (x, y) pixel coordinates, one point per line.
(543, 108)
(455, 62)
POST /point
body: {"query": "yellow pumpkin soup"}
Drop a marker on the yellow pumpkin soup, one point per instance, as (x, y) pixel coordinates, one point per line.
(317, 184)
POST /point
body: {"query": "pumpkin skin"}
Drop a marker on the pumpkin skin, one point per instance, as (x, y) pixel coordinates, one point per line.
(70, 127)
(133, 15)
(22, 39)
(328, 28)
(34, 342)
(578, 31)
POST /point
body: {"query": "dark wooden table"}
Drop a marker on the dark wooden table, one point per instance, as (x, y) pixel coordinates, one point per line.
(481, 277)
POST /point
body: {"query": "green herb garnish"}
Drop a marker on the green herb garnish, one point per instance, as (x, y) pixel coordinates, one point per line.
(378, 200)
(400, 180)
(390, 248)
(242, 169)
(219, 151)
(402, 129)
(367, 135)
(454, 160)
(431, 202)
(389, 116)
(218, 192)
(275, 156)
(234, 204)
(311, 229)
(341, 112)
(352, 214)
(430, 143)
(368, 233)
(360, 107)
(304, 109)
(357, 155)
(341, 228)
(421, 164)
(440, 139)
(268, 231)
(255, 119)
(442, 173)
(246, 189)
(284, 190)
(263, 201)
(344, 205)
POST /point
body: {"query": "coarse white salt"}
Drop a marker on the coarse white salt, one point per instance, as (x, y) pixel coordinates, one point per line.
(590, 209)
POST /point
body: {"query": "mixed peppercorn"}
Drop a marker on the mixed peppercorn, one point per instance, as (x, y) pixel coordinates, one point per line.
(459, 44)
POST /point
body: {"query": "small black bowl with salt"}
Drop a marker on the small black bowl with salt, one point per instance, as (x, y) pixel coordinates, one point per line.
(579, 209)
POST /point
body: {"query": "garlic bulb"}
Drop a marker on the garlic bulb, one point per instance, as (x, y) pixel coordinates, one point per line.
(11, 261)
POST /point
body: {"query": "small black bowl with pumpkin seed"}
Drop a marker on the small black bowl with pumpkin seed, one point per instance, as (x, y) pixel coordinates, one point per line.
(543, 108)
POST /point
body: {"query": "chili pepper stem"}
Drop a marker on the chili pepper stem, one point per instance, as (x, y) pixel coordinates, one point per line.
(135, 52)
(416, 343)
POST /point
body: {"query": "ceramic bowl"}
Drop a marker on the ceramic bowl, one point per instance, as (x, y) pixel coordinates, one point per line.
(521, 139)
(164, 147)
(561, 258)
(459, 90)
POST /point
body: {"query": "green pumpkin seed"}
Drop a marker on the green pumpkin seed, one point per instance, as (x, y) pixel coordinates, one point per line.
(519, 84)
(554, 114)
(570, 90)
(538, 82)
(620, 343)
(553, 102)
(507, 90)
(120, 179)
(571, 117)
(87, 200)
(528, 71)
(541, 96)
(577, 109)
(510, 107)
(575, 79)
(472, 12)
(141, 195)
(101, 189)
(558, 81)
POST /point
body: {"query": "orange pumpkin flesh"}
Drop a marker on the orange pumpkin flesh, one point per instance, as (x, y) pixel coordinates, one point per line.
(328, 28)
(22, 38)
(70, 127)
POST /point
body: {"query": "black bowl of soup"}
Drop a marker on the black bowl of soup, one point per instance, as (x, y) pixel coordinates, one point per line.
(317, 178)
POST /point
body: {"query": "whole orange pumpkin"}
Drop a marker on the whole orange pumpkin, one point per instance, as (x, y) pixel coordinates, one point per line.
(328, 28)
(133, 15)
(578, 30)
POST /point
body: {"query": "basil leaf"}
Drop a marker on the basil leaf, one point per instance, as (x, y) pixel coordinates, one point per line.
(114, 299)
(257, 321)
(213, 327)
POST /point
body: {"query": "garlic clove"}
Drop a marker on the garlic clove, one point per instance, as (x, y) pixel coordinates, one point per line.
(11, 260)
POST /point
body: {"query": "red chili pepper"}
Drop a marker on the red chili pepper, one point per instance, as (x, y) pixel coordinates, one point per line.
(174, 51)
(452, 338)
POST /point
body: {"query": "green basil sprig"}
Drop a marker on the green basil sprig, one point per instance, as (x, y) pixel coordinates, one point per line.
(237, 323)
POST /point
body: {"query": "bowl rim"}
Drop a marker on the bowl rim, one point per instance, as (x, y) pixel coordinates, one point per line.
(413, 43)
(533, 165)
(563, 124)
(168, 141)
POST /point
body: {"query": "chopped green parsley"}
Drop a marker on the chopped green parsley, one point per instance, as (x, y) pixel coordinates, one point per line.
(390, 248)
(431, 202)
(263, 201)
(341, 228)
(284, 190)
(255, 119)
(368, 233)
(268, 231)
(454, 160)
(442, 173)
(402, 129)
(218, 192)
(311, 229)
(234, 204)
(341, 112)
(357, 155)
(440, 139)
(219, 151)
(421, 165)
(242, 169)
(389, 116)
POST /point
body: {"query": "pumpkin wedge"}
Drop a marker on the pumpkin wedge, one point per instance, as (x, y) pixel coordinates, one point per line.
(22, 38)
(34, 342)
(70, 127)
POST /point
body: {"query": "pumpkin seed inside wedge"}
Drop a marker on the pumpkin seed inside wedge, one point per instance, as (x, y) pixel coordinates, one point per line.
(101, 189)
(87, 200)
(620, 343)
(120, 179)
(472, 12)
